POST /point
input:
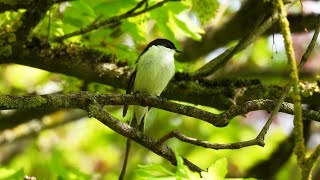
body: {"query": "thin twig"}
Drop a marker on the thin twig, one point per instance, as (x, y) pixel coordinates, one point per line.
(140, 4)
(310, 47)
(312, 159)
(166, 138)
(206, 144)
(276, 109)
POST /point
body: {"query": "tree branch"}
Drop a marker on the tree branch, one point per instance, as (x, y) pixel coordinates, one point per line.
(80, 100)
(93, 103)
(206, 144)
(88, 101)
(85, 63)
(292, 81)
(94, 66)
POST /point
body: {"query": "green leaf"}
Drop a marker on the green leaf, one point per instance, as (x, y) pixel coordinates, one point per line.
(179, 160)
(154, 171)
(155, 168)
(216, 171)
(134, 28)
(161, 17)
(180, 167)
(192, 175)
(187, 27)
(11, 174)
(171, 21)
(205, 9)
(79, 14)
(112, 8)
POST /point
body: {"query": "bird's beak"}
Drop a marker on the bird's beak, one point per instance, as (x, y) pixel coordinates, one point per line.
(178, 51)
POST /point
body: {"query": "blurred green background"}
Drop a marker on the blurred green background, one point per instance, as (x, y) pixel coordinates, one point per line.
(66, 144)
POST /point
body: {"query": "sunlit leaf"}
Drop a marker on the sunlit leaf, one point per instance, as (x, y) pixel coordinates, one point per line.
(79, 14)
(136, 29)
(11, 174)
(186, 26)
(112, 8)
(153, 171)
(216, 171)
(205, 9)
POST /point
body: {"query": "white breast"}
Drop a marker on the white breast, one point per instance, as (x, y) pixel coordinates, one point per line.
(155, 68)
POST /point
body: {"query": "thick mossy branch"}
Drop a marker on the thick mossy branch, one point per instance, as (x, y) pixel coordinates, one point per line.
(94, 66)
(88, 64)
(21, 102)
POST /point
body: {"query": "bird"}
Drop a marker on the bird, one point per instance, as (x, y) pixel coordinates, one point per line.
(152, 73)
(153, 70)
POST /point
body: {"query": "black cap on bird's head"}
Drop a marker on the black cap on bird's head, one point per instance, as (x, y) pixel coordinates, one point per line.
(162, 42)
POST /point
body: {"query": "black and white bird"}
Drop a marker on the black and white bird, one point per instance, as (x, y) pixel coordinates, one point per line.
(152, 73)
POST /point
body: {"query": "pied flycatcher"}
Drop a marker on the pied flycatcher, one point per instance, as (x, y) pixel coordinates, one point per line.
(152, 73)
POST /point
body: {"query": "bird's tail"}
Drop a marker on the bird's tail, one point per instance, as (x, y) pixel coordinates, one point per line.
(140, 127)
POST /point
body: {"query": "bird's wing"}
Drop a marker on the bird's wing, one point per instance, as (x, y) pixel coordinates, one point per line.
(129, 89)
(132, 78)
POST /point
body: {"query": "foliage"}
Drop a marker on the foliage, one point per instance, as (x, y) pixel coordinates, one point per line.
(11, 174)
(215, 171)
(62, 144)
(205, 9)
